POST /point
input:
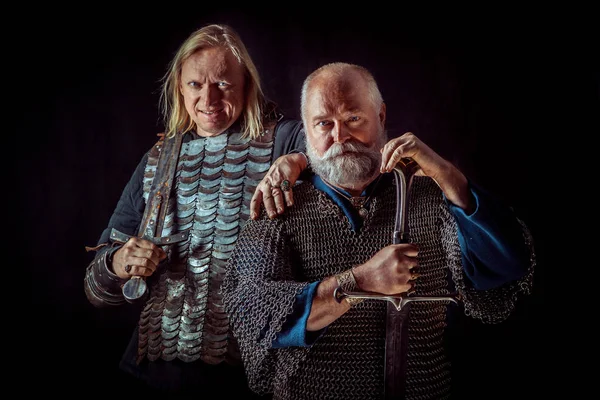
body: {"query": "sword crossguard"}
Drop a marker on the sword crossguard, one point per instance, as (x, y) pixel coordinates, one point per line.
(398, 300)
(159, 241)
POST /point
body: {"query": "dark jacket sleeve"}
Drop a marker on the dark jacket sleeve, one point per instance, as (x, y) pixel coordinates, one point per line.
(103, 287)
(289, 138)
(129, 211)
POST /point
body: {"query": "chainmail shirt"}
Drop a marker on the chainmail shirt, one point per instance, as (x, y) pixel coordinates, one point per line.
(275, 260)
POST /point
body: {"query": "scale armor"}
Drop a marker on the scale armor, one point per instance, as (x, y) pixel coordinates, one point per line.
(184, 317)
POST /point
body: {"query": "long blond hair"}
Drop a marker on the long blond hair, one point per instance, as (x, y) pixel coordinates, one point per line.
(175, 116)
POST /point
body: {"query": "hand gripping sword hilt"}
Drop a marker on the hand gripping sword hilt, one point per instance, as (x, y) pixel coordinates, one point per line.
(136, 289)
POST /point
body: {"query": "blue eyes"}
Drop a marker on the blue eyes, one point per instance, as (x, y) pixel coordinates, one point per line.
(354, 118)
(197, 85)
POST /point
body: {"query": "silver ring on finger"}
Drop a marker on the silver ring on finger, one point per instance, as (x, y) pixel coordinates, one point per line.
(285, 185)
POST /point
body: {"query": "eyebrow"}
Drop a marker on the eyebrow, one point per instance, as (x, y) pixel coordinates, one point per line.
(318, 117)
(353, 110)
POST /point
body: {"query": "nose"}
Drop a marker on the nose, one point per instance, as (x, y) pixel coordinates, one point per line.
(340, 132)
(209, 96)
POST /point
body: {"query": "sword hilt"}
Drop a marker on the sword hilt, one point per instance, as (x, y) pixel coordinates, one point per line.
(135, 289)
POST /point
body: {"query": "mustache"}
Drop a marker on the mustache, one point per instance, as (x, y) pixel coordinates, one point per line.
(339, 149)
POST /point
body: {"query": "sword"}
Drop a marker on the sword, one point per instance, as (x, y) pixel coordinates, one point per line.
(398, 306)
(398, 300)
(154, 214)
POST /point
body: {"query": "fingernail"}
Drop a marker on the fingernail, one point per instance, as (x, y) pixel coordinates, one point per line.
(253, 215)
(279, 210)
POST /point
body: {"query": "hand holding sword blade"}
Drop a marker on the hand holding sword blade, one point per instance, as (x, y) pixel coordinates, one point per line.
(403, 173)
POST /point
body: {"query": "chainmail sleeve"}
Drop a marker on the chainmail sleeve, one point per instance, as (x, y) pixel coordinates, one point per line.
(493, 305)
(259, 292)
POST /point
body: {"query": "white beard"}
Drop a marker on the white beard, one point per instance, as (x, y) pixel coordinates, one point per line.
(349, 164)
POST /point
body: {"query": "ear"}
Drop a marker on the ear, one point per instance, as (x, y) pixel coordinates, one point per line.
(382, 115)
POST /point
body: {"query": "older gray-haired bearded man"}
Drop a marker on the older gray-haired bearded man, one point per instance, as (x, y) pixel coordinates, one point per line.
(297, 340)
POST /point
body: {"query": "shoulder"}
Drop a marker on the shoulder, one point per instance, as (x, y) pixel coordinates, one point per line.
(289, 137)
(276, 121)
(287, 126)
(156, 148)
(154, 151)
(306, 195)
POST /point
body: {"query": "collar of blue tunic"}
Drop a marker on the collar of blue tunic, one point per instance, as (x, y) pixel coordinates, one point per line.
(351, 213)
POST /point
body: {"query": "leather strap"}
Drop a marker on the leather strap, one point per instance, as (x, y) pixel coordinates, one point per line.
(160, 191)
(135, 289)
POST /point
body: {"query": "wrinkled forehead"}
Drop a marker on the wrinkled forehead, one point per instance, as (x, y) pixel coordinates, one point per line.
(328, 96)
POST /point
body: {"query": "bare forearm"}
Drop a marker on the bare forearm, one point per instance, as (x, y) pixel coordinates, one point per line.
(455, 186)
(325, 309)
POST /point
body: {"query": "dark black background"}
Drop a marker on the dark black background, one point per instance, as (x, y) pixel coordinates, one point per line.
(502, 95)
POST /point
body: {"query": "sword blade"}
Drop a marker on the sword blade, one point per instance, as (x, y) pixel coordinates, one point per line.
(397, 320)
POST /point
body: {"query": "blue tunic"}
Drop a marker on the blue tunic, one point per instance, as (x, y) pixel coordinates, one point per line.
(491, 242)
